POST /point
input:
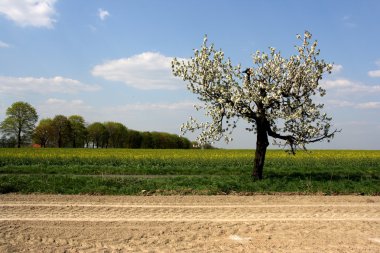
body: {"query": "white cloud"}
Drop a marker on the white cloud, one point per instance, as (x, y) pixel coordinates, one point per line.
(345, 85)
(357, 105)
(185, 105)
(369, 105)
(145, 71)
(344, 93)
(58, 105)
(337, 68)
(374, 73)
(3, 44)
(55, 106)
(103, 14)
(37, 13)
(339, 83)
(340, 103)
(56, 101)
(43, 85)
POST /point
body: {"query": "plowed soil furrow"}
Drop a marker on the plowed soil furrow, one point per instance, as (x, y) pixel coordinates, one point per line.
(52, 223)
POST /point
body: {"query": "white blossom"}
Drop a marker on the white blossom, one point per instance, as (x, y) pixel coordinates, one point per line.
(276, 89)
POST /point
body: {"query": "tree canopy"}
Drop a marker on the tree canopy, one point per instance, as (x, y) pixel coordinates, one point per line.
(78, 130)
(44, 132)
(19, 123)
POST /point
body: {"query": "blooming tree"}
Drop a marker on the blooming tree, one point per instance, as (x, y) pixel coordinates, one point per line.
(275, 96)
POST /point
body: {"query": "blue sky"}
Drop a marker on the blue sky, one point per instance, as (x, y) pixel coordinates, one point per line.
(110, 60)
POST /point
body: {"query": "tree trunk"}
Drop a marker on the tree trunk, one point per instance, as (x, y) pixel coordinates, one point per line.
(261, 149)
(59, 141)
(19, 138)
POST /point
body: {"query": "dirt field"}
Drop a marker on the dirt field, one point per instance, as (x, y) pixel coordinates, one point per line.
(54, 223)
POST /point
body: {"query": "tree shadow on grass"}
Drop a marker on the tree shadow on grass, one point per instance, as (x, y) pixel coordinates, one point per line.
(323, 176)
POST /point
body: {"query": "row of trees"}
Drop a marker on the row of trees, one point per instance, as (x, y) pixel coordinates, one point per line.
(62, 131)
(19, 129)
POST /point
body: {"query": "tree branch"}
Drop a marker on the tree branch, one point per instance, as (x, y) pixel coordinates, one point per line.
(289, 138)
(325, 136)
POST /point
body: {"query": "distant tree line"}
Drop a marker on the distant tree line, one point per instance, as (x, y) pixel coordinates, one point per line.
(18, 129)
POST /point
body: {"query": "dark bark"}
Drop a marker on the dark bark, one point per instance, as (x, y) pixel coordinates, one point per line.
(19, 137)
(74, 142)
(261, 149)
(19, 142)
(59, 140)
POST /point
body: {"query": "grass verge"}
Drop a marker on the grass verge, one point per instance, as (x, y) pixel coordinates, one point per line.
(141, 172)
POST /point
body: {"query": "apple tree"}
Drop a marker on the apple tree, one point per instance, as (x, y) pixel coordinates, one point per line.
(276, 96)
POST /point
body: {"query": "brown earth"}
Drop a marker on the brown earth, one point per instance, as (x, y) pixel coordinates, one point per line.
(55, 223)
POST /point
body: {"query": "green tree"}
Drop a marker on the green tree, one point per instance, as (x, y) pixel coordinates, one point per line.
(116, 134)
(163, 140)
(104, 143)
(62, 130)
(275, 96)
(78, 131)
(96, 133)
(44, 132)
(184, 143)
(147, 140)
(20, 121)
(133, 139)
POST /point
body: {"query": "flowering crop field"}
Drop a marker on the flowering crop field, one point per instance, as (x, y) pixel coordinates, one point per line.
(136, 171)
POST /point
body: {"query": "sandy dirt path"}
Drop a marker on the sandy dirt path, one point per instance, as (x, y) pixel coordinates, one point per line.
(54, 223)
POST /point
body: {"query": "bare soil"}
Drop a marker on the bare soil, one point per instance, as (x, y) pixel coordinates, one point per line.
(58, 223)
